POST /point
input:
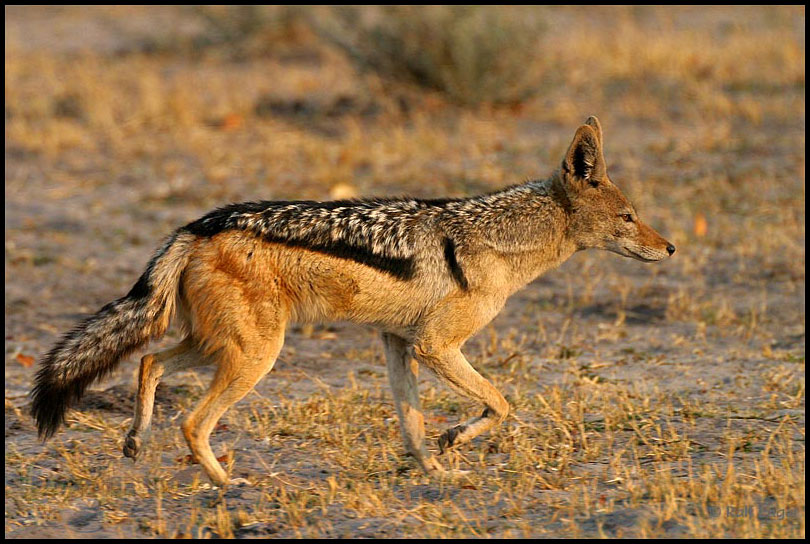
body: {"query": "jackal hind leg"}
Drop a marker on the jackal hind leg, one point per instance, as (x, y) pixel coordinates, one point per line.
(402, 375)
(153, 367)
(450, 365)
(238, 372)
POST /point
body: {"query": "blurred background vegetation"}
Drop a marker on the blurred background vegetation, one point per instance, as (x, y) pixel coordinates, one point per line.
(129, 77)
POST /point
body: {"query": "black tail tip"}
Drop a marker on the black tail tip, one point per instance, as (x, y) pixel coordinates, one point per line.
(46, 430)
(48, 407)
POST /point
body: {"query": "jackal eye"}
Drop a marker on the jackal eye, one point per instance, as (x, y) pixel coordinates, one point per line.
(627, 217)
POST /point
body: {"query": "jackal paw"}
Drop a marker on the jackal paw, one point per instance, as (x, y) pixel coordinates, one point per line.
(431, 466)
(448, 437)
(132, 446)
(454, 473)
(448, 474)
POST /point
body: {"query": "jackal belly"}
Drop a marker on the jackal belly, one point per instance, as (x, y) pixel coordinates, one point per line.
(305, 286)
(321, 288)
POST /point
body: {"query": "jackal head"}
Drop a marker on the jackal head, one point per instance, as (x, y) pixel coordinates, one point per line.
(601, 216)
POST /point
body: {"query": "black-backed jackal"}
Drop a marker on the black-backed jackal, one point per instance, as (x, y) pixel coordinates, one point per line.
(427, 273)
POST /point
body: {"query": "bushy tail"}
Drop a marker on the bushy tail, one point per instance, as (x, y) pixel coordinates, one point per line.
(94, 347)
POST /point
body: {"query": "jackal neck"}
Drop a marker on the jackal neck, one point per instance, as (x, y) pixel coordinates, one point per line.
(518, 219)
(518, 232)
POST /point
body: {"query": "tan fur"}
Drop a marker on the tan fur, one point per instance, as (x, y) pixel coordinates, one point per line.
(237, 294)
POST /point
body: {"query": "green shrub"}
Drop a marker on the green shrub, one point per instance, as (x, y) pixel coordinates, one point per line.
(473, 54)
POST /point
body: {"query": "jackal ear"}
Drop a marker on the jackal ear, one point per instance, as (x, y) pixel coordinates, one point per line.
(584, 157)
(593, 122)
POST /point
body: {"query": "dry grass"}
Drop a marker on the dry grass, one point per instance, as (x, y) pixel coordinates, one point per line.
(647, 401)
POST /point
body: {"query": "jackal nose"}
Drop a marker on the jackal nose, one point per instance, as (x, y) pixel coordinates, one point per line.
(670, 249)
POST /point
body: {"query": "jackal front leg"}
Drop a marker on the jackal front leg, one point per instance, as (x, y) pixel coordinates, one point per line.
(452, 367)
(402, 374)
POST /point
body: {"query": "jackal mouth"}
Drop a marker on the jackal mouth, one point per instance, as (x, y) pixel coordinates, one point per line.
(641, 257)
